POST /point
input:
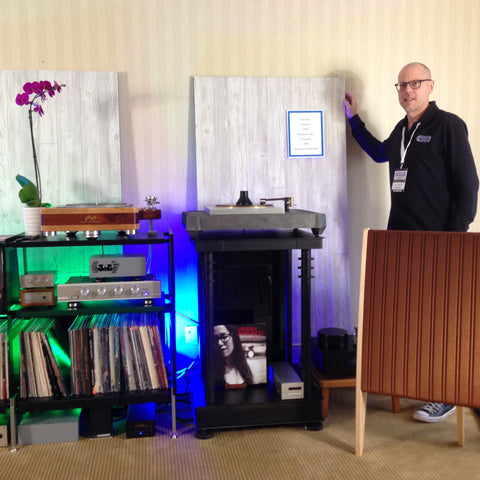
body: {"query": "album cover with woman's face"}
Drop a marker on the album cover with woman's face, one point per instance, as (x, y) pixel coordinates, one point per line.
(240, 355)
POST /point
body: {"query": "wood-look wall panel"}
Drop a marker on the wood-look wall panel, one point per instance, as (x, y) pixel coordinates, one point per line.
(77, 141)
(421, 316)
(241, 125)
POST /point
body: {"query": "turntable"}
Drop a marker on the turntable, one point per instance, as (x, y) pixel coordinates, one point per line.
(244, 216)
(245, 206)
(92, 218)
(197, 222)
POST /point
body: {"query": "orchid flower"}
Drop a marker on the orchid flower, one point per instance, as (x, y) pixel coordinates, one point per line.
(38, 90)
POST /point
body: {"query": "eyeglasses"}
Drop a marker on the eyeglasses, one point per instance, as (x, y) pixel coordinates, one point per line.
(414, 84)
(224, 338)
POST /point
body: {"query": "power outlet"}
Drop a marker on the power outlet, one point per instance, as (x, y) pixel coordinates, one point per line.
(191, 334)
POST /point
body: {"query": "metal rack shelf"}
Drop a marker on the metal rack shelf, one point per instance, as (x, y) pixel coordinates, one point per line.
(17, 245)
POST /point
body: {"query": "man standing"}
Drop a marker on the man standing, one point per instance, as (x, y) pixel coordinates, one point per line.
(433, 179)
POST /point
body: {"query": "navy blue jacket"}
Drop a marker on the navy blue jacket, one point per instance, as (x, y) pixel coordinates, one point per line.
(442, 183)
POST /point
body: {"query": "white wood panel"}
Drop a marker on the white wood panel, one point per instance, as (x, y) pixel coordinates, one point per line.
(241, 144)
(77, 141)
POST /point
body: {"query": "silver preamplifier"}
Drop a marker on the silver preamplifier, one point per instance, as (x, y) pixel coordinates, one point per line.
(85, 289)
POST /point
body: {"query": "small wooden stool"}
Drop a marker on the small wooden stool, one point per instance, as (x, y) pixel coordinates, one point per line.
(325, 383)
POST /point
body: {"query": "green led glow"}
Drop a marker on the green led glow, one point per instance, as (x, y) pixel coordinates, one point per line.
(71, 413)
(60, 355)
(15, 351)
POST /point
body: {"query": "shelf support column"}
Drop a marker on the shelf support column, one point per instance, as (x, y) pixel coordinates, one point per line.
(207, 281)
(306, 276)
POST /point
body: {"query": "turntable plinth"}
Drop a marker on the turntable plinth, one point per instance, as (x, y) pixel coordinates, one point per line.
(73, 219)
(197, 222)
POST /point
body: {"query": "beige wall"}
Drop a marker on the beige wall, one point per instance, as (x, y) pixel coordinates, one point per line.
(158, 45)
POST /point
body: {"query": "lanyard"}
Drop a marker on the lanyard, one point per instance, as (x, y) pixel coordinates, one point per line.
(403, 149)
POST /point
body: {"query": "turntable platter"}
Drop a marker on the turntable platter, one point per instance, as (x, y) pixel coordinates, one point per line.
(243, 209)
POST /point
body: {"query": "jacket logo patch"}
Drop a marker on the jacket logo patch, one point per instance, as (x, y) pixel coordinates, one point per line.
(424, 138)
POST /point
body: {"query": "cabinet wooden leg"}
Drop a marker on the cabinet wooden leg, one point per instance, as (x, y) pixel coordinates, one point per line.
(325, 395)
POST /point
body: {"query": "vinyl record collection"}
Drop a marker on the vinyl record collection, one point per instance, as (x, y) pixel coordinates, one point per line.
(95, 355)
(116, 352)
(108, 353)
(3, 360)
(40, 375)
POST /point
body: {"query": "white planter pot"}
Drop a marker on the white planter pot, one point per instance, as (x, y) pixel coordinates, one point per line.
(33, 221)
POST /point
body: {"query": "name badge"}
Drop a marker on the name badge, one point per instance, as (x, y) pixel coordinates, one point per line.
(399, 180)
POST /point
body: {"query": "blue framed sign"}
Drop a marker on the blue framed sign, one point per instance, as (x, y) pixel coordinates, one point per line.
(305, 133)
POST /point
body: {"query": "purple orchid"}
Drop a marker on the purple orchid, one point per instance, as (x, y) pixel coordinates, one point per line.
(38, 90)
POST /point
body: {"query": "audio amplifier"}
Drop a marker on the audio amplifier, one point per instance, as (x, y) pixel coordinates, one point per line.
(84, 289)
(108, 266)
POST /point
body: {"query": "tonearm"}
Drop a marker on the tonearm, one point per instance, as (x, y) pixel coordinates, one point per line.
(287, 200)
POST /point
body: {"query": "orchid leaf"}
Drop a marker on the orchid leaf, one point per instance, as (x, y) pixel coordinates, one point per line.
(29, 195)
(23, 180)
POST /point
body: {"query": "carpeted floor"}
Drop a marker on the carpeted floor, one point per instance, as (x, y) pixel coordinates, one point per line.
(396, 447)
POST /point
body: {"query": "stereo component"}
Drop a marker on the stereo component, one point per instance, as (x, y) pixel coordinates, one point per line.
(286, 381)
(141, 420)
(90, 218)
(339, 359)
(107, 266)
(37, 280)
(332, 339)
(85, 289)
(35, 297)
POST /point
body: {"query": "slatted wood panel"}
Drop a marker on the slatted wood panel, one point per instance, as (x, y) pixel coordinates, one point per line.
(421, 317)
(241, 144)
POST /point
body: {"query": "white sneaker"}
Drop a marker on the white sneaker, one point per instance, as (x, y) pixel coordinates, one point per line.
(433, 412)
